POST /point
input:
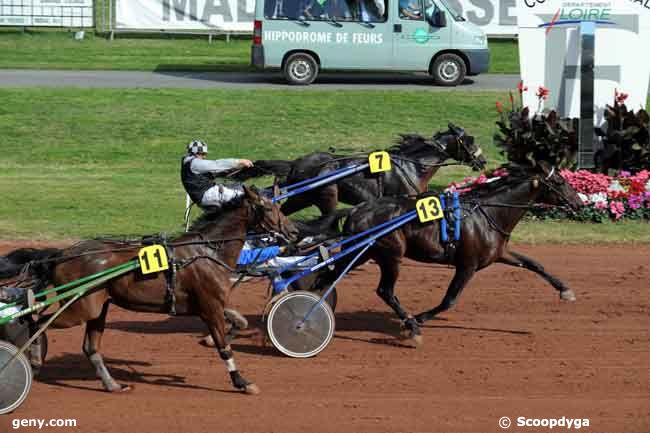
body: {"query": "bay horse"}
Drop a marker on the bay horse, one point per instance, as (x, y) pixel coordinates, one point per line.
(205, 258)
(490, 213)
(415, 160)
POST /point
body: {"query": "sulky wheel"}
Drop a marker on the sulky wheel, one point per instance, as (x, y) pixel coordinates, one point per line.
(16, 378)
(294, 336)
(309, 283)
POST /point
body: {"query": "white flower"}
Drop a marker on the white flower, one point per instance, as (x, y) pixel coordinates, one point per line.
(615, 186)
(584, 198)
(599, 197)
(647, 185)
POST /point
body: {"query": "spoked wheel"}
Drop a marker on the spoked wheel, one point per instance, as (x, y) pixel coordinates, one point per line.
(294, 336)
(308, 284)
(16, 378)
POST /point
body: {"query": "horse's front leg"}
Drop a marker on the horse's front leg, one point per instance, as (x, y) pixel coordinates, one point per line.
(92, 344)
(522, 261)
(386, 291)
(461, 278)
(213, 314)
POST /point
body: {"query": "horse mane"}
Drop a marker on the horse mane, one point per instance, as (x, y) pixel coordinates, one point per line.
(209, 218)
(414, 145)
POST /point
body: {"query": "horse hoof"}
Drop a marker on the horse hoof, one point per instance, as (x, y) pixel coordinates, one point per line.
(251, 389)
(207, 341)
(568, 295)
(417, 340)
(121, 389)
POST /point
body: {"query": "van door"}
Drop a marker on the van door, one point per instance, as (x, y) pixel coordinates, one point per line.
(415, 41)
(344, 34)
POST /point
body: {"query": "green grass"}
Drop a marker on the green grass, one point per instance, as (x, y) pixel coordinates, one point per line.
(59, 50)
(80, 163)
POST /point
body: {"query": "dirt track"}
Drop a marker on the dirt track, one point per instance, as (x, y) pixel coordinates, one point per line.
(510, 348)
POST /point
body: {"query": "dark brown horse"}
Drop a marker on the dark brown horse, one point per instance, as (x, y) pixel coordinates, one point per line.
(490, 213)
(415, 160)
(205, 258)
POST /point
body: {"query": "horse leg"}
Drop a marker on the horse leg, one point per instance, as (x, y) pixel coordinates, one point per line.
(91, 346)
(237, 323)
(328, 199)
(458, 283)
(525, 262)
(213, 314)
(295, 204)
(386, 291)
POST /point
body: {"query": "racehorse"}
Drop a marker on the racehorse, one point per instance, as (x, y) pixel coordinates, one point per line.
(415, 160)
(491, 212)
(205, 258)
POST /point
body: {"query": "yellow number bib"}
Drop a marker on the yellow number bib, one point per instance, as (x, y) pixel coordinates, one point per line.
(429, 209)
(153, 259)
(379, 161)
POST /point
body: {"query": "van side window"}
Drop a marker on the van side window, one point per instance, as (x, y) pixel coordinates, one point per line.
(316, 10)
(411, 10)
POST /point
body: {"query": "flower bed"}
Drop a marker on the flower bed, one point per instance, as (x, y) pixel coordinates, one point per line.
(605, 197)
(609, 197)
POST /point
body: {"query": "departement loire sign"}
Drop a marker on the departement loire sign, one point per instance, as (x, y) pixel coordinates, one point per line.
(549, 49)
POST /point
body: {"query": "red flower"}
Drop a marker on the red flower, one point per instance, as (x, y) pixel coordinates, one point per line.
(521, 87)
(499, 107)
(542, 93)
(620, 97)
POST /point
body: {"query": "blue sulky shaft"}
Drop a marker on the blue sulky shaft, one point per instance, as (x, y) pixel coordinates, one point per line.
(316, 182)
(380, 230)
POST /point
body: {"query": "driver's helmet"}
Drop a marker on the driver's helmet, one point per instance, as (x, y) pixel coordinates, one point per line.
(196, 147)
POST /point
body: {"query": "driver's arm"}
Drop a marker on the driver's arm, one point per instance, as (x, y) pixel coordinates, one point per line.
(216, 166)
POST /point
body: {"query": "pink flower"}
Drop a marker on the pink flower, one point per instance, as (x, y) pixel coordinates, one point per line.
(624, 174)
(600, 205)
(617, 208)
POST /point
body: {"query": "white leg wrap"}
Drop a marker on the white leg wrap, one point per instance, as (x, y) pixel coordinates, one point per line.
(230, 365)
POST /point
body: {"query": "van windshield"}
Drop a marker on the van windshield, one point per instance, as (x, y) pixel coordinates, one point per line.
(370, 11)
(457, 16)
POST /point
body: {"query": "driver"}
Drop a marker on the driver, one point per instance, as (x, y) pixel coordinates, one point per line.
(197, 175)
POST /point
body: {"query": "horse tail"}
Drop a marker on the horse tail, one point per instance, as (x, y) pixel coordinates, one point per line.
(265, 167)
(41, 259)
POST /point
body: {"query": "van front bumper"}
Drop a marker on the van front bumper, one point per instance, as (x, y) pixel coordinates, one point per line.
(479, 60)
(257, 56)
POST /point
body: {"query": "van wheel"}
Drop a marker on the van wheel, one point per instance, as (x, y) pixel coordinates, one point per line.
(300, 69)
(448, 70)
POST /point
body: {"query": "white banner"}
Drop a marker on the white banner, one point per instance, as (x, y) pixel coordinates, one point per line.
(495, 17)
(46, 13)
(216, 15)
(549, 51)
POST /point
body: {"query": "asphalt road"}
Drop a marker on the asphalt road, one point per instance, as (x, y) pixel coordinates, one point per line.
(238, 80)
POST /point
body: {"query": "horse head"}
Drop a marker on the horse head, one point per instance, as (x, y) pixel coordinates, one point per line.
(555, 189)
(268, 217)
(461, 147)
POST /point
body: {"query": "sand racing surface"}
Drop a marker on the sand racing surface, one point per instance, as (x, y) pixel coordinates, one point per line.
(510, 348)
